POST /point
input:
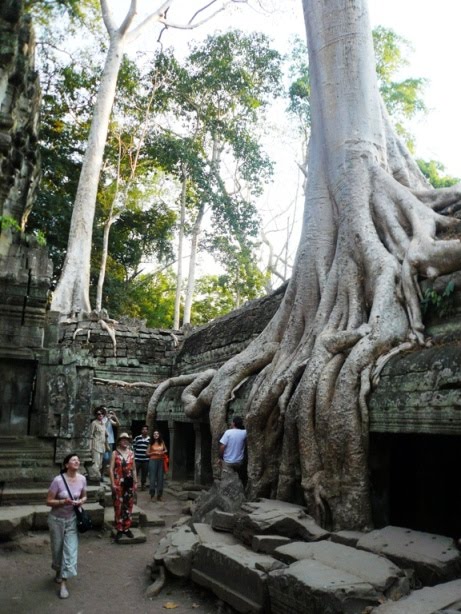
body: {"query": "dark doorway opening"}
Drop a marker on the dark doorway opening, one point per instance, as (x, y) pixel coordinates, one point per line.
(414, 481)
(16, 395)
(184, 451)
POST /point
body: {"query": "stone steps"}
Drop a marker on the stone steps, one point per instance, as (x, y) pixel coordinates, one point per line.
(36, 495)
(26, 458)
(17, 519)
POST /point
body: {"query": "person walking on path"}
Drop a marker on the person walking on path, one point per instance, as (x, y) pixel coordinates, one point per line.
(140, 446)
(232, 448)
(122, 473)
(98, 442)
(62, 520)
(156, 454)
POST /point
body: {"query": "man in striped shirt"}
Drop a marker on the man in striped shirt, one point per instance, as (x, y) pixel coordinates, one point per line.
(140, 445)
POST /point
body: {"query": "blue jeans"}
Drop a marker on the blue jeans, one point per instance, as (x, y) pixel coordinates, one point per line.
(156, 477)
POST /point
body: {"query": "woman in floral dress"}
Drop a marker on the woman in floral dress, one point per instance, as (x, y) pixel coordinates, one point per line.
(123, 480)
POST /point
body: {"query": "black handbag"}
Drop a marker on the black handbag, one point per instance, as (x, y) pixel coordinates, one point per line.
(84, 522)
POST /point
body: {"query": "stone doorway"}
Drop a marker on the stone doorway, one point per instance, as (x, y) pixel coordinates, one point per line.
(16, 395)
(414, 480)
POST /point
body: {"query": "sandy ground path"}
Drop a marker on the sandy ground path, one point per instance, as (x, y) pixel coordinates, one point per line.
(111, 578)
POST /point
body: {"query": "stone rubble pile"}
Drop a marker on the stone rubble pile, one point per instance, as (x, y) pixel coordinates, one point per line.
(271, 556)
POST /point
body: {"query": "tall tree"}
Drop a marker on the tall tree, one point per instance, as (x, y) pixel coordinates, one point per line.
(217, 98)
(72, 293)
(369, 233)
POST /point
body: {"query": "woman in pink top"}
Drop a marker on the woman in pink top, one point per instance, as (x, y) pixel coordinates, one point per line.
(62, 520)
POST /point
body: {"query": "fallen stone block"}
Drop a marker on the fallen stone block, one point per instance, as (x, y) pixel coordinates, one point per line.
(230, 572)
(347, 538)
(434, 558)
(15, 519)
(312, 587)
(208, 536)
(271, 517)
(175, 551)
(226, 494)
(268, 543)
(383, 575)
(223, 521)
(428, 600)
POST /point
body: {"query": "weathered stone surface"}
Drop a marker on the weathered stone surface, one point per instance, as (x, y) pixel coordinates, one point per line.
(231, 573)
(269, 517)
(223, 521)
(444, 597)
(268, 543)
(347, 538)
(433, 558)
(226, 495)
(376, 570)
(17, 519)
(176, 551)
(311, 586)
(208, 536)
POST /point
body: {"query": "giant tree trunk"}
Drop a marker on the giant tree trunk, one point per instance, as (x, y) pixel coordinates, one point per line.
(72, 292)
(368, 232)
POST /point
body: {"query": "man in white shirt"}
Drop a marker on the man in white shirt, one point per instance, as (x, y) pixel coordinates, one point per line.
(232, 447)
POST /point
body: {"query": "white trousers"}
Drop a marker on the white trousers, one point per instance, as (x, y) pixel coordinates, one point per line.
(64, 545)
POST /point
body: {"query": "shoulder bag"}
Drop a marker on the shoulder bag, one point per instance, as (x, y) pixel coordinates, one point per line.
(84, 522)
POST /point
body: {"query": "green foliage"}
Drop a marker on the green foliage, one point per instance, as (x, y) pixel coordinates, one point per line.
(435, 173)
(440, 304)
(48, 12)
(148, 297)
(219, 294)
(7, 222)
(403, 98)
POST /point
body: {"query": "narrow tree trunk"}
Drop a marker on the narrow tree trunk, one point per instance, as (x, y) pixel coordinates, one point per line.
(192, 263)
(102, 269)
(182, 222)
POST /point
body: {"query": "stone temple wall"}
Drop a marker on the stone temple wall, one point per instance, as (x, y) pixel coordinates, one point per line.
(86, 365)
(25, 270)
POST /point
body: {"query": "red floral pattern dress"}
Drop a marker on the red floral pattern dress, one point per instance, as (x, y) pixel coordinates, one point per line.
(123, 494)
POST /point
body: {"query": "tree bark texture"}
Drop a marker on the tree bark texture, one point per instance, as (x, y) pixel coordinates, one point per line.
(369, 233)
(72, 292)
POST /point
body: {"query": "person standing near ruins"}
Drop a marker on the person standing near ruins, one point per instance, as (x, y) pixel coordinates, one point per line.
(62, 520)
(140, 446)
(122, 473)
(156, 454)
(111, 422)
(98, 441)
(232, 447)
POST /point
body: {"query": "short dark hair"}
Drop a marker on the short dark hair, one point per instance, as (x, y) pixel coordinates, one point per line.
(101, 409)
(67, 459)
(238, 422)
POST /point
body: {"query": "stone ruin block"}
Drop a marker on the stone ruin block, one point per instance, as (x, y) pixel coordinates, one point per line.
(383, 575)
(176, 550)
(433, 558)
(270, 517)
(230, 572)
(441, 599)
(268, 543)
(223, 521)
(311, 587)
